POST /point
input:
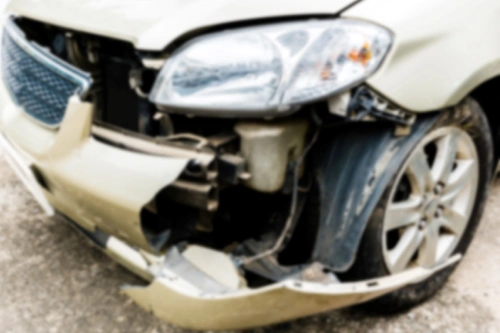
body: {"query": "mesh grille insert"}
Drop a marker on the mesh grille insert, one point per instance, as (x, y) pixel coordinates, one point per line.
(38, 82)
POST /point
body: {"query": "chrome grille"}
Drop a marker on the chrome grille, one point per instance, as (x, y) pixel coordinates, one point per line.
(38, 82)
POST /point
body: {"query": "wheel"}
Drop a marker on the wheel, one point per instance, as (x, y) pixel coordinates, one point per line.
(431, 209)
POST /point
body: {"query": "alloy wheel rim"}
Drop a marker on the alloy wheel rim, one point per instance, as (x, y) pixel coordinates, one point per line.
(431, 202)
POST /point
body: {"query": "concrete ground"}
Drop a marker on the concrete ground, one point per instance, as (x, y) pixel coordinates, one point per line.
(52, 280)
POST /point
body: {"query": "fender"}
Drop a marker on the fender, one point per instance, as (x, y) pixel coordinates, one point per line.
(438, 57)
(353, 167)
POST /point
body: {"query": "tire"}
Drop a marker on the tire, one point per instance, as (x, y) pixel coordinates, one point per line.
(370, 261)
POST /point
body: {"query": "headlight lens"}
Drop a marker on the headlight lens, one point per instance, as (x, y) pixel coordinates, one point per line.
(270, 67)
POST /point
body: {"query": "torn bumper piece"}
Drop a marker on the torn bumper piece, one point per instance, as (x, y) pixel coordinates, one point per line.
(173, 299)
(96, 184)
(201, 288)
(198, 288)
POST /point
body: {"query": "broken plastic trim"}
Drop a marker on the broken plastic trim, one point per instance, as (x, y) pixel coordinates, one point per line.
(173, 298)
(186, 294)
(366, 105)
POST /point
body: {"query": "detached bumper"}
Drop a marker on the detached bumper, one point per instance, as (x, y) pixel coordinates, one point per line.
(90, 182)
(170, 299)
(198, 291)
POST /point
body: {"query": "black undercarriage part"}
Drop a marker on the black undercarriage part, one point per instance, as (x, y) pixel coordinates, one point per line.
(368, 106)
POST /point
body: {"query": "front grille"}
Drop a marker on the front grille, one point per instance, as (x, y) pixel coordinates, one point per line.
(38, 82)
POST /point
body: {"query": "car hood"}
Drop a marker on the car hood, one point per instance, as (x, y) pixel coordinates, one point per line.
(153, 24)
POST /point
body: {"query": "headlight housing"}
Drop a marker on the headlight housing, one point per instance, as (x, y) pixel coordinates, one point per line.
(270, 68)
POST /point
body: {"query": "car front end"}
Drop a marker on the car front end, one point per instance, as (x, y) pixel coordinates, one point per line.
(212, 148)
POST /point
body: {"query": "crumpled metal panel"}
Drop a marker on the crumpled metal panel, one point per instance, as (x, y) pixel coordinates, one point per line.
(354, 165)
(34, 79)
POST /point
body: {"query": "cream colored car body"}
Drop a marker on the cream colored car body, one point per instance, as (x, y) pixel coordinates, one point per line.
(98, 185)
(443, 49)
(428, 34)
(154, 24)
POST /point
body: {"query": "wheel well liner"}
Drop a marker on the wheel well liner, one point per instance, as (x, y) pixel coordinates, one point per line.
(353, 166)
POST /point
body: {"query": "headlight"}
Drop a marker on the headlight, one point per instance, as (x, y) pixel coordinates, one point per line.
(271, 67)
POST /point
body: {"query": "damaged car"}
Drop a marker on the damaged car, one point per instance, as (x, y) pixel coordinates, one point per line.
(258, 161)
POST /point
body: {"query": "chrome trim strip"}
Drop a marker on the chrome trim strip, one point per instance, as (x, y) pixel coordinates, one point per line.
(121, 252)
(47, 59)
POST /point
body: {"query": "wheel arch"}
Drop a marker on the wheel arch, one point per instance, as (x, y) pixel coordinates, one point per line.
(354, 165)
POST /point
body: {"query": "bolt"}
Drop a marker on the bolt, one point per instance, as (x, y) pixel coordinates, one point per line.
(422, 225)
(439, 211)
(439, 188)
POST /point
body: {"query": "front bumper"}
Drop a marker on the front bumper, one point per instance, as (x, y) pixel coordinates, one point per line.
(185, 292)
(103, 189)
(170, 299)
(93, 183)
